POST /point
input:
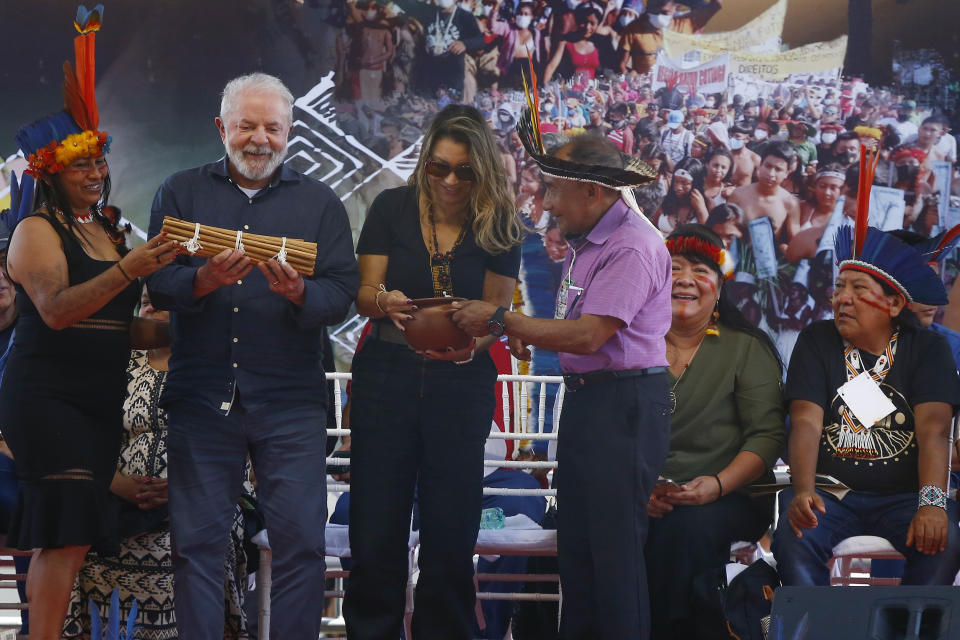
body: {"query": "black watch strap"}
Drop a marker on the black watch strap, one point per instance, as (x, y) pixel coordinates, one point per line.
(496, 325)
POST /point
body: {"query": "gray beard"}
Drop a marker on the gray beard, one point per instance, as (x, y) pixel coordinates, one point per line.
(249, 171)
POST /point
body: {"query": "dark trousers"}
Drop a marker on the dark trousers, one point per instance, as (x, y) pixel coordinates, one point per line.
(689, 541)
(803, 561)
(612, 443)
(207, 453)
(417, 425)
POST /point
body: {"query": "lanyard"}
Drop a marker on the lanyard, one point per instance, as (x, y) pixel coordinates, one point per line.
(856, 440)
(562, 308)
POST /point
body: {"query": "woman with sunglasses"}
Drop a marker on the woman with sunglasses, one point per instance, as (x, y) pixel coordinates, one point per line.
(419, 419)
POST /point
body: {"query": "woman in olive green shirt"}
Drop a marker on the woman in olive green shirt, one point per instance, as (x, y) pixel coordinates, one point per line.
(727, 431)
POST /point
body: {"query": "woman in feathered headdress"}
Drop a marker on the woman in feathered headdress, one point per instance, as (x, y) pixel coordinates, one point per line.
(872, 395)
(63, 387)
(726, 430)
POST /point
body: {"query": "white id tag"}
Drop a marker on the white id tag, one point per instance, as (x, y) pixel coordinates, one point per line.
(865, 399)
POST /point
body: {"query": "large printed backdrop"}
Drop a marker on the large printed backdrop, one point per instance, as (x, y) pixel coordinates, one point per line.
(162, 64)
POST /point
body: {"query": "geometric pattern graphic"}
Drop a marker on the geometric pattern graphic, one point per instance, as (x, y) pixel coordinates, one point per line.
(320, 149)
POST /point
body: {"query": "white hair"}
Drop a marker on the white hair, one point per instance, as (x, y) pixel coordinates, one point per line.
(254, 83)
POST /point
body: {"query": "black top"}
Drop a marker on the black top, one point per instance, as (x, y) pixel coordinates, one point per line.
(61, 409)
(392, 229)
(437, 65)
(99, 343)
(923, 371)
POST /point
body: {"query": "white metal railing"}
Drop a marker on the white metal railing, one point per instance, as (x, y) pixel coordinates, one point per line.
(515, 399)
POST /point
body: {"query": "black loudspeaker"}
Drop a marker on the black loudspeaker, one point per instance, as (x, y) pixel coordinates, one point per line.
(866, 613)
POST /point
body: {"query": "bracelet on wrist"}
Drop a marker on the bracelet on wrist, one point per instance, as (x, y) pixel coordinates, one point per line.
(473, 350)
(932, 496)
(719, 484)
(376, 299)
(125, 275)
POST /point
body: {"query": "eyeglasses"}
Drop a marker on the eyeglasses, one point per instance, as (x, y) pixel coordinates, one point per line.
(442, 170)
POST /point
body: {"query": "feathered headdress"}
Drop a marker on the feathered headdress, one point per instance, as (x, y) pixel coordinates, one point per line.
(719, 257)
(55, 141)
(881, 255)
(636, 172)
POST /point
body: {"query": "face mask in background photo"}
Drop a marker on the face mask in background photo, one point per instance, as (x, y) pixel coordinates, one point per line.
(760, 134)
(446, 4)
(828, 138)
(487, 10)
(626, 19)
(523, 22)
(660, 20)
(371, 14)
(736, 144)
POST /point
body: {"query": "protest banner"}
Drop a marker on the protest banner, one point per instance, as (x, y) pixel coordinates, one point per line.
(776, 67)
(766, 27)
(710, 77)
(942, 172)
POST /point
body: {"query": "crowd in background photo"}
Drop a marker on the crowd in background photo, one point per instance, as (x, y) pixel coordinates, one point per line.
(726, 305)
(595, 61)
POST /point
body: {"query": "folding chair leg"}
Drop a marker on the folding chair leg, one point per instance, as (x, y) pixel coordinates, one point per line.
(408, 609)
(264, 580)
(559, 604)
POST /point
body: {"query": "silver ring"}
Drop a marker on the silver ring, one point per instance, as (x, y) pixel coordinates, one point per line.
(277, 282)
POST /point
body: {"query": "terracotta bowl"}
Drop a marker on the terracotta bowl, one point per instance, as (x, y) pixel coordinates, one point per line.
(433, 328)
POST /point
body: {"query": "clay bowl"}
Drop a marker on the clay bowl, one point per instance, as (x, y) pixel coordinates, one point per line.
(433, 328)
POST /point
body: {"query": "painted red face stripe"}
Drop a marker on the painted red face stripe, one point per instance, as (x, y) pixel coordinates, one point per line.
(882, 306)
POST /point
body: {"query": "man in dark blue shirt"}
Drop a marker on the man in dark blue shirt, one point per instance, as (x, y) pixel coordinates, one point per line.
(245, 374)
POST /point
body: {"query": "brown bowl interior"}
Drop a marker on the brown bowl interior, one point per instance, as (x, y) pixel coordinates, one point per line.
(432, 327)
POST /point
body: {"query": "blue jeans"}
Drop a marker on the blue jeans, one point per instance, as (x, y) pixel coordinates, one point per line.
(206, 456)
(803, 561)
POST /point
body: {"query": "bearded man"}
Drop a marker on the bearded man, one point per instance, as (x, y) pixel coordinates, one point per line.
(245, 374)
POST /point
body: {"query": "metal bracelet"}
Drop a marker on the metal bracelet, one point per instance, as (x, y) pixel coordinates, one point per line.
(473, 352)
(376, 300)
(932, 496)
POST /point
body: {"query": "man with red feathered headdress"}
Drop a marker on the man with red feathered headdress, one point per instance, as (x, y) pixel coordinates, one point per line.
(871, 397)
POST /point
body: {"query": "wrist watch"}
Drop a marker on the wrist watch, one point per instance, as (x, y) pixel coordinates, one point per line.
(496, 325)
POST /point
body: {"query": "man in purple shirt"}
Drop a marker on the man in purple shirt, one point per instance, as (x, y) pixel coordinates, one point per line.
(612, 313)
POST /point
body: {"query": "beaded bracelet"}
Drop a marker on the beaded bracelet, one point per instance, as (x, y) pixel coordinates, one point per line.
(932, 496)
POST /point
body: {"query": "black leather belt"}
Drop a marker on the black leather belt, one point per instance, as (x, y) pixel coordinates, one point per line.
(574, 381)
(387, 332)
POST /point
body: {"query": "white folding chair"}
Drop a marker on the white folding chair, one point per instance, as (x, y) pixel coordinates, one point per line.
(852, 558)
(522, 542)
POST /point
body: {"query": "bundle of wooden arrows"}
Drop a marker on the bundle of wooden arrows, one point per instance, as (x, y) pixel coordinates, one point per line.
(206, 241)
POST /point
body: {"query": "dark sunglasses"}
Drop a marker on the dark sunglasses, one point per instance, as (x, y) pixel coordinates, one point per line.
(442, 170)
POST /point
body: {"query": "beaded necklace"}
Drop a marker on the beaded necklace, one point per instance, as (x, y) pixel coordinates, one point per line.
(440, 262)
(86, 218)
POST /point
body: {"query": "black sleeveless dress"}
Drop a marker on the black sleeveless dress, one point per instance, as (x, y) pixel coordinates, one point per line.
(61, 411)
